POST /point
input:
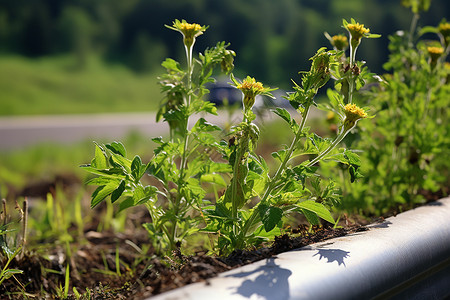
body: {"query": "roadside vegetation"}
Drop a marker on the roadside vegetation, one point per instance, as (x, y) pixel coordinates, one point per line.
(56, 85)
(141, 216)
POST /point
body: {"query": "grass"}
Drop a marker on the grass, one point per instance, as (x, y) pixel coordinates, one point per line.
(45, 161)
(57, 86)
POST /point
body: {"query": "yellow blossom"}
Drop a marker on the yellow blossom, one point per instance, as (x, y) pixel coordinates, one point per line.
(357, 30)
(435, 53)
(251, 88)
(352, 114)
(444, 28)
(189, 31)
(340, 42)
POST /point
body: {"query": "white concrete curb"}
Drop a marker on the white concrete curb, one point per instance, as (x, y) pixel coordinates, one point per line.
(405, 257)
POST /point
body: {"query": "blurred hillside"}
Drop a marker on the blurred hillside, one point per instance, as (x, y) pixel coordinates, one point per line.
(273, 39)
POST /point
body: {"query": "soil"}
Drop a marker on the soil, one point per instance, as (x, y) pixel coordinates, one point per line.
(141, 273)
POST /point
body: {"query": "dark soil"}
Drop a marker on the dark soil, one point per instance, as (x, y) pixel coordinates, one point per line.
(93, 267)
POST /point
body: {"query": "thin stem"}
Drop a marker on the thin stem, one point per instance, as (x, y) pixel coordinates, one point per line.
(351, 79)
(291, 149)
(412, 28)
(273, 181)
(183, 164)
(333, 145)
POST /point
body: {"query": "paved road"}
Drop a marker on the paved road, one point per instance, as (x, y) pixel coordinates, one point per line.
(19, 132)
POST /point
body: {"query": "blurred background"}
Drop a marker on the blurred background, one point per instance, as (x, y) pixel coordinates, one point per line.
(60, 57)
(82, 56)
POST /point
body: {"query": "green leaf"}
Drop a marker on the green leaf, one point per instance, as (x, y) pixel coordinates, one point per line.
(104, 191)
(372, 36)
(113, 172)
(284, 114)
(352, 158)
(117, 148)
(126, 203)
(121, 162)
(280, 155)
(213, 178)
(118, 192)
(137, 168)
(270, 216)
(316, 208)
(99, 161)
(312, 218)
(171, 65)
(203, 125)
(10, 272)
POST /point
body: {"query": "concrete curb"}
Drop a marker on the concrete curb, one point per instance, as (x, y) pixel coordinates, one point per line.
(404, 257)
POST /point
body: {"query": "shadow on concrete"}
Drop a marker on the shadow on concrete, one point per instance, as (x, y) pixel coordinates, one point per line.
(271, 282)
(333, 255)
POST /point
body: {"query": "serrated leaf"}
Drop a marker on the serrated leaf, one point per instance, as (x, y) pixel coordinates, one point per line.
(317, 208)
(270, 216)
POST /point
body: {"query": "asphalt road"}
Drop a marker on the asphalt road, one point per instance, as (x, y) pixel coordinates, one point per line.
(19, 132)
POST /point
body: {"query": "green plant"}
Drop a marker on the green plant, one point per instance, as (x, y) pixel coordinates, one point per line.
(8, 250)
(405, 149)
(195, 160)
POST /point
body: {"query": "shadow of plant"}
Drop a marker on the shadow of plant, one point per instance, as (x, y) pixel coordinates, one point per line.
(333, 255)
(384, 224)
(271, 283)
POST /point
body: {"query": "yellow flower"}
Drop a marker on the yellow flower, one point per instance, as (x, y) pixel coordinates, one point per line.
(352, 114)
(251, 88)
(435, 53)
(340, 42)
(444, 29)
(357, 30)
(188, 30)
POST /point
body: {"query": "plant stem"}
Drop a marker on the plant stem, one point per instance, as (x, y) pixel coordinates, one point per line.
(351, 79)
(412, 28)
(333, 145)
(183, 163)
(273, 181)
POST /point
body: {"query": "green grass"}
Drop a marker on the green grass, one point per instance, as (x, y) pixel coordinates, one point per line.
(44, 161)
(57, 86)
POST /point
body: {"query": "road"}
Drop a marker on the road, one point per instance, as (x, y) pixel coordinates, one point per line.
(19, 132)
